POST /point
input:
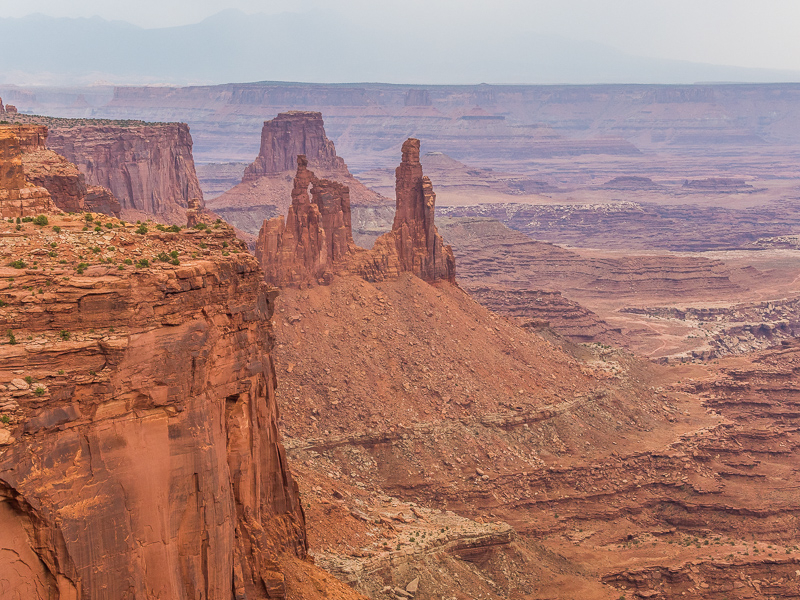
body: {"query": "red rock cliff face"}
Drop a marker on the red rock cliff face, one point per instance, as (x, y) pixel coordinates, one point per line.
(143, 459)
(62, 179)
(316, 240)
(289, 135)
(149, 168)
(18, 197)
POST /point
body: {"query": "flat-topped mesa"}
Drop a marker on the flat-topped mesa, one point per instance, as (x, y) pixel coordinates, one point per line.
(315, 236)
(18, 197)
(291, 134)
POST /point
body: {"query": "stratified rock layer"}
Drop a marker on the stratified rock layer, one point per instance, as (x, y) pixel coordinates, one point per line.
(149, 168)
(142, 457)
(18, 198)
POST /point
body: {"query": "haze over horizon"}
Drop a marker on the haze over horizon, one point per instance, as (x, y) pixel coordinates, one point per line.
(440, 41)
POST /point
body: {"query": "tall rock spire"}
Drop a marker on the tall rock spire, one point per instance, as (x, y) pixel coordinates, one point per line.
(420, 248)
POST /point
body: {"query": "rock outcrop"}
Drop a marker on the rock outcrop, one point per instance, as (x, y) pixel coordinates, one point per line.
(266, 185)
(149, 168)
(18, 197)
(289, 135)
(418, 246)
(139, 447)
(45, 168)
(316, 236)
(316, 240)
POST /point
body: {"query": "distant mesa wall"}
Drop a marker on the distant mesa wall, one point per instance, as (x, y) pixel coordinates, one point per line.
(315, 241)
(291, 134)
(148, 168)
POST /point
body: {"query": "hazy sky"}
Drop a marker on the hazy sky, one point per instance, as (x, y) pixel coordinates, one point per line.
(749, 33)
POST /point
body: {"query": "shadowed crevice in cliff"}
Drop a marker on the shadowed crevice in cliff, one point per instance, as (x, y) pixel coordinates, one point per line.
(316, 240)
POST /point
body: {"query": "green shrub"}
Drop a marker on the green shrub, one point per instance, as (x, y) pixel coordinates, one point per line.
(39, 391)
(142, 229)
(89, 218)
(5, 419)
(128, 261)
(174, 229)
(143, 263)
(64, 334)
(109, 225)
(12, 339)
(98, 228)
(96, 249)
(41, 220)
(81, 268)
(163, 257)
(56, 228)
(175, 261)
(18, 264)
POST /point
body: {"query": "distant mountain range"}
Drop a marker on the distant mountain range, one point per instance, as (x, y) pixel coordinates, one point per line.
(321, 47)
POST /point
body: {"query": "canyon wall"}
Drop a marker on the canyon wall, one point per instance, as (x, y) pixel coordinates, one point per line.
(18, 197)
(149, 168)
(140, 455)
(46, 169)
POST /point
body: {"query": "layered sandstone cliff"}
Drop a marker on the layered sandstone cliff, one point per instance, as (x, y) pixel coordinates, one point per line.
(45, 168)
(149, 168)
(18, 197)
(139, 448)
(267, 183)
(316, 240)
